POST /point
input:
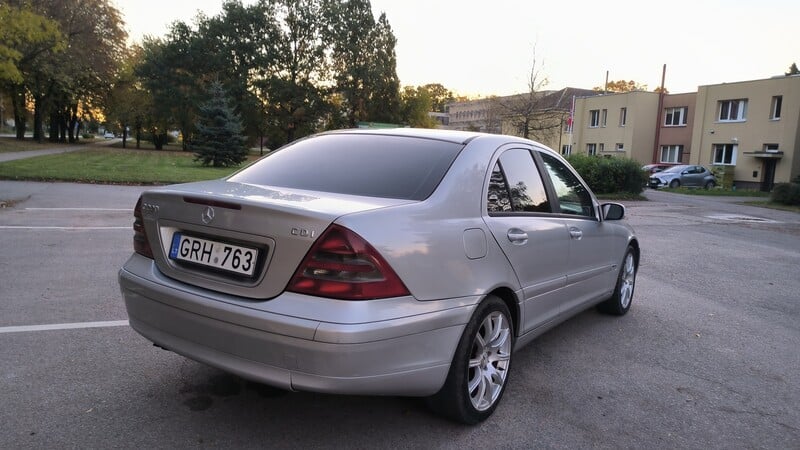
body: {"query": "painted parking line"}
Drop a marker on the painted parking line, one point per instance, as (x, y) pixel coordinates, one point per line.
(25, 227)
(80, 209)
(64, 326)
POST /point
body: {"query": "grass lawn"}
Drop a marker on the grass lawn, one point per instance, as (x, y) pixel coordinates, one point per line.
(10, 144)
(113, 166)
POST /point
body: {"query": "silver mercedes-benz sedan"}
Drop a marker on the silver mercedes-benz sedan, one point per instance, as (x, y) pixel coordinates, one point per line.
(378, 262)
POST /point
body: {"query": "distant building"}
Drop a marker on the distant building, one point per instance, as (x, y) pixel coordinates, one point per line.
(747, 132)
(618, 124)
(751, 128)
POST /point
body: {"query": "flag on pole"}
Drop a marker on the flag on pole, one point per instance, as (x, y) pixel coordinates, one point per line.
(571, 118)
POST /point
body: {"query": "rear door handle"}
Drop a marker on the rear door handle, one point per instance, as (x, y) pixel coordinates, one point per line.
(517, 236)
(575, 233)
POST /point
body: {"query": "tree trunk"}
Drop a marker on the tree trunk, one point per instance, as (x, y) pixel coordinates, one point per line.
(38, 121)
(73, 125)
(18, 104)
(53, 126)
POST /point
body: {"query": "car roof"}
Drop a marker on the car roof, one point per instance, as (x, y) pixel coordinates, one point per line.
(454, 136)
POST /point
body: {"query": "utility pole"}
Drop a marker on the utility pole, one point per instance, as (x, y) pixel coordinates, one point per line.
(659, 115)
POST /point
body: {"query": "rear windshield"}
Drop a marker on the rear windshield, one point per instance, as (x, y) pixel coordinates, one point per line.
(358, 164)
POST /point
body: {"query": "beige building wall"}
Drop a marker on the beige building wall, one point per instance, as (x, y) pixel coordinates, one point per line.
(736, 129)
(622, 125)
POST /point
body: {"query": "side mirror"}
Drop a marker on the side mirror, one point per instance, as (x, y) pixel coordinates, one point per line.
(613, 211)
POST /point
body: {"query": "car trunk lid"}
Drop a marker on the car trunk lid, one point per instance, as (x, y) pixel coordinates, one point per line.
(239, 238)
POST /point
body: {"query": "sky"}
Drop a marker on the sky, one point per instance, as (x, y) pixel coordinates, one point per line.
(487, 47)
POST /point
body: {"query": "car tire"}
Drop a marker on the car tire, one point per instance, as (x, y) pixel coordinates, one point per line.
(710, 184)
(620, 301)
(674, 184)
(479, 372)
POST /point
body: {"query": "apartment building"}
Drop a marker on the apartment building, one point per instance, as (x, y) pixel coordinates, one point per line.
(617, 124)
(474, 115)
(674, 134)
(751, 128)
(748, 131)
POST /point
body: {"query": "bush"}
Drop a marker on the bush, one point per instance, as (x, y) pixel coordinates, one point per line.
(786, 193)
(610, 175)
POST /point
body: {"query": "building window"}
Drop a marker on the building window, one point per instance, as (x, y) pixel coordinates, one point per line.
(604, 118)
(675, 117)
(623, 116)
(566, 150)
(620, 147)
(591, 149)
(671, 153)
(602, 147)
(771, 148)
(724, 154)
(733, 110)
(594, 118)
(775, 109)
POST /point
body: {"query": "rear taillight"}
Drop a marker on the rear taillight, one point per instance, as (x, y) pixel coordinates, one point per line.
(141, 244)
(342, 265)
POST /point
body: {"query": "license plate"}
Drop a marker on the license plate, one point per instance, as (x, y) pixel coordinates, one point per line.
(219, 255)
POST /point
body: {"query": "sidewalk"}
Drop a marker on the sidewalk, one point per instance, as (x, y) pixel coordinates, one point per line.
(12, 156)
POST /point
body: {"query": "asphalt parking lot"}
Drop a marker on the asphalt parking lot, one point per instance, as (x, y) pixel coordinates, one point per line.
(707, 358)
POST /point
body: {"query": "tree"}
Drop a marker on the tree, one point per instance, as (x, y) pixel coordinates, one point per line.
(363, 61)
(793, 70)
(621, 86)
(440, 96)
(171, 71)
(295, 101)
(416, 103)
(219, 141)
(27, 41)
(128, 103)
(384, 105)
(67, 89)
(531, 115)
(237, 49)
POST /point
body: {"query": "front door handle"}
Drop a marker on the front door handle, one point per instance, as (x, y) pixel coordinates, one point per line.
(575, 233)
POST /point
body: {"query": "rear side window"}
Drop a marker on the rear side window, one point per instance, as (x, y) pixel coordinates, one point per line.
(515, 184)
(357, 164)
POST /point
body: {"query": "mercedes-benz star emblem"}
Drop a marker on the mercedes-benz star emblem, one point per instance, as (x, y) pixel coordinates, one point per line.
(208, 215)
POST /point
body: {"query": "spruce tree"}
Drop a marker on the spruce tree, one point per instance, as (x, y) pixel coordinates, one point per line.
(219, 141)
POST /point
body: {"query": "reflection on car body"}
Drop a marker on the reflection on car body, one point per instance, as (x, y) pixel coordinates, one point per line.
(426, 258)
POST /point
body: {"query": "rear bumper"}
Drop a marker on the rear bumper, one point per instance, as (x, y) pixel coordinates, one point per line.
(286, 342)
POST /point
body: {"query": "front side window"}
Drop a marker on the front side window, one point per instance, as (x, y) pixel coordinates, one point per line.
(594, 118)
(573, 197)
(515, 185)
(724, 154)
(675, 117)
(671, 153)
(733, 110)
